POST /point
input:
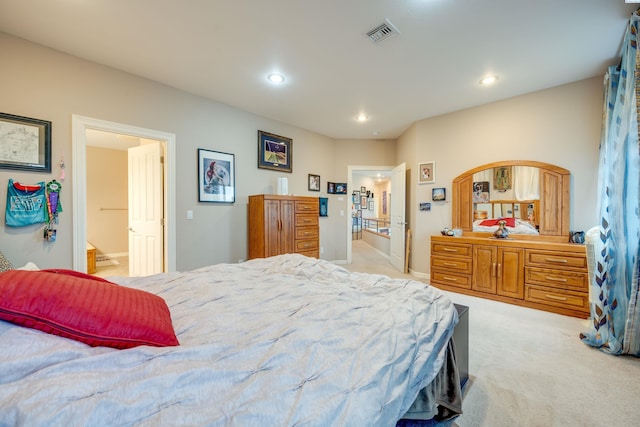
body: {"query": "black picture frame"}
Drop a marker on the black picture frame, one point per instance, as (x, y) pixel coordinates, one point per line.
(314, 182)
(25, 143)
(341, 188)
(274, 152)
(331, 187)
(216, 176)
(439, 194)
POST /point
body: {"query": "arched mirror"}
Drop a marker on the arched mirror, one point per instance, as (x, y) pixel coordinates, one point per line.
(534, 195)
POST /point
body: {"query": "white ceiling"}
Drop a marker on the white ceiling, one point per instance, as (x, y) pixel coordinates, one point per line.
(223, 50)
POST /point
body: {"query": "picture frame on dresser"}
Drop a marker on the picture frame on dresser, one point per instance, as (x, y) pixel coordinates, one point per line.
(25, 143)
(216, 176)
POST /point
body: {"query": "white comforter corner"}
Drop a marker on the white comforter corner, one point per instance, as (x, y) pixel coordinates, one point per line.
(281, 341)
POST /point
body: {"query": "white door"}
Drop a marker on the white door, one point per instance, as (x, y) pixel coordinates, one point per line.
(145, 210)
(397, 216)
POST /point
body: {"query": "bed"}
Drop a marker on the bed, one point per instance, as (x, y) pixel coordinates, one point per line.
(287, 340)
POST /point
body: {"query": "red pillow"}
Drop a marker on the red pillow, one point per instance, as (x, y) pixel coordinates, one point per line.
(85, 308)
(509, 222)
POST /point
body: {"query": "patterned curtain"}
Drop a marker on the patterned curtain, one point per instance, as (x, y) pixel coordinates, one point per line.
(615, 314)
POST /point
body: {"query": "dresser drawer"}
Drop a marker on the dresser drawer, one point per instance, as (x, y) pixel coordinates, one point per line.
(458, 265)
(458, 280)
(306, 245)
(557, 278)
(312, 254)
(308, 207)
(557, 298)
(451, 249)
(307, 233)
(551, 259)
(306, 220)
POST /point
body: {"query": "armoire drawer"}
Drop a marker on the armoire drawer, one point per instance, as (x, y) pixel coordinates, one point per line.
(307, 207)
(307, 233)
(306, 245)
(306, 220)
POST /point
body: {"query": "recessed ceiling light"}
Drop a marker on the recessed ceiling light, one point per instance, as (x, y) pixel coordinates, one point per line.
(276, 78)
(362, 118)
(489, 80)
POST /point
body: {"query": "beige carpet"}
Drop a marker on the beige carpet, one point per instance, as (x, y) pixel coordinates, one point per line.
(529, 368)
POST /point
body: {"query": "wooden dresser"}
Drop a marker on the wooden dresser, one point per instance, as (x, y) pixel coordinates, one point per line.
(283, 224)
(548, 276)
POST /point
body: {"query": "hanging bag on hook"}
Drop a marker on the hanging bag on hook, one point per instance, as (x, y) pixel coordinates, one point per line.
(26, 204)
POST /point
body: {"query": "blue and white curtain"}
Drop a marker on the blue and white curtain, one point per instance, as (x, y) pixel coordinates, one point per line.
(615, 313)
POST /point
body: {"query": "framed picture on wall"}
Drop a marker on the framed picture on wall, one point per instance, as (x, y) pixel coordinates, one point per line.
(274, 152)
(438, 194)
(356, 197)
(216, 176)
(427, 172)
(314, 182)
(25, 143)
(341, 188)
(371, 205)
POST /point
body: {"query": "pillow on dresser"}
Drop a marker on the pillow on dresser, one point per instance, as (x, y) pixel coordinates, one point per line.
(85, 308)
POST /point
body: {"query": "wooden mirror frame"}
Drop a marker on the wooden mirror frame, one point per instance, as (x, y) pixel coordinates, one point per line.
(554, 206)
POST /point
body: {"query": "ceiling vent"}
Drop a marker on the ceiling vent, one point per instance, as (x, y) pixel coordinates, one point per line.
(383, 32)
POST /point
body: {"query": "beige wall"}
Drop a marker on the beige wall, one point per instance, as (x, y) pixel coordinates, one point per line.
(42, 83)
(559, 126)
(107, 200)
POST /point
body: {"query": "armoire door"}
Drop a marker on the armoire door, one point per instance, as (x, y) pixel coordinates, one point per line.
(484, 268)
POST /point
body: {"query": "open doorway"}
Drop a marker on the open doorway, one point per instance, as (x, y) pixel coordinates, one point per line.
(83, 126)
(374, 217)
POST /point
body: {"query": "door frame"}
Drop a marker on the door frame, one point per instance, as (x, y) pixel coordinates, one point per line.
(350, 170)
(79, 125)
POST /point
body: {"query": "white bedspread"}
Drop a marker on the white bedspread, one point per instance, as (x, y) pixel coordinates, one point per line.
(282, 341)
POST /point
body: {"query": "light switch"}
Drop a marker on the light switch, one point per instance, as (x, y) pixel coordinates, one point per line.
(189, 214)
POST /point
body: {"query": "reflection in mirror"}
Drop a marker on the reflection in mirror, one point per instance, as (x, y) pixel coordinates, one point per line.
(506, 192)
(534, 196)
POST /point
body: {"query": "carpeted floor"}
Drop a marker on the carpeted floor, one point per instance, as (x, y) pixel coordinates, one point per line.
(529, 368)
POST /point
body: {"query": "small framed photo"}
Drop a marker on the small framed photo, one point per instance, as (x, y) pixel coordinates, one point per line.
(274, 152)
(25, 143)
(314, 182)
(331, 188)
(427, 172)
(438, 194)
(341, 188)
(363, 202)
(363, 189)
(216, 176)
(425, 206)
(481, 192)
(371, 205)
(356, 197)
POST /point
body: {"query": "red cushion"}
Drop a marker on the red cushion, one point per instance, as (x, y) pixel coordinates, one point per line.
(85, 308)
(509, 222)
